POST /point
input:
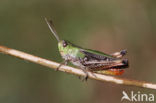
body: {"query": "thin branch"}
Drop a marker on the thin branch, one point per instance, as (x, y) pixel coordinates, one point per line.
(71, 70)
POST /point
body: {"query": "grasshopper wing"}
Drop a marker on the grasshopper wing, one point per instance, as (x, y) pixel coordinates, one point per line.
(96, 55)
(95, 61)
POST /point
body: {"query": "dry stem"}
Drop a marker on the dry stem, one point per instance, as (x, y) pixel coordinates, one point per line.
(71, 70)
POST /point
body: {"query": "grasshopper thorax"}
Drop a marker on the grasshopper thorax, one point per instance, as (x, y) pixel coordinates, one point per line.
(68, 50)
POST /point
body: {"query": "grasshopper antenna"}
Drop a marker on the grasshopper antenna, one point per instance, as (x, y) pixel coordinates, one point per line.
(52, 29)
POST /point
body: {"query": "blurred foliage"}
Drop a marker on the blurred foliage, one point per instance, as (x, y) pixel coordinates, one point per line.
(107, 26)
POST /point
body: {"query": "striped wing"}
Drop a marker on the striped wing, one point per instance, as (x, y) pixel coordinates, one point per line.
(95, 61)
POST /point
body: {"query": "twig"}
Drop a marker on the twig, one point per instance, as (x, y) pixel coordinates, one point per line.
(71, 70)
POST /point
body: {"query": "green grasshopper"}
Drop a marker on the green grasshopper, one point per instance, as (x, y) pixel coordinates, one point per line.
(90, 60)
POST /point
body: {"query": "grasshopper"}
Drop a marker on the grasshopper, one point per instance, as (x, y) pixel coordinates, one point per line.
(90, 60)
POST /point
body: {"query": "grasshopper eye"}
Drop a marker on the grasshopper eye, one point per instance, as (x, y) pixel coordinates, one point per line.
(65, 43)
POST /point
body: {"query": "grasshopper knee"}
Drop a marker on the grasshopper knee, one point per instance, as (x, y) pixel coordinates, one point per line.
(120, 54)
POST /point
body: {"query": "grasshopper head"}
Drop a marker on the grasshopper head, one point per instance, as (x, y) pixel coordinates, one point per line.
(63, 47)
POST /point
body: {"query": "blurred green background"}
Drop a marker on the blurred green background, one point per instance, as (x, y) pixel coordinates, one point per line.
(104, 25)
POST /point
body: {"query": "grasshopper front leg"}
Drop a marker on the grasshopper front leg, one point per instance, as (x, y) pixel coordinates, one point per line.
(119, 54)
(65, 62)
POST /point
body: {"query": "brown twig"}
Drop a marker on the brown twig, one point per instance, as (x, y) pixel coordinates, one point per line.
(71, 70)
